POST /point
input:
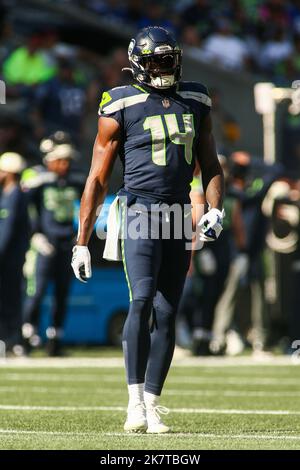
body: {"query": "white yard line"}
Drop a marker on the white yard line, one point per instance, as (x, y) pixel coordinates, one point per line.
(172, 410)
(230, 393)
(211, 436)
(165, 436)
(234, 380)
(231, 380)
(168, 392)
(109, 362)
(49, 433)
(30, 389)
(60, 408)
(51, 377)
(227, 380)
(62, 363)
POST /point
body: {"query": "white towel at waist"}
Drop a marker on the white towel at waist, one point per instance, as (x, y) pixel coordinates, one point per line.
(112, 249)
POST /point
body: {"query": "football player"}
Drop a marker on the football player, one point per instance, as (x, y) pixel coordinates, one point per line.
(159, 125)
(52, 193)
(14, 239)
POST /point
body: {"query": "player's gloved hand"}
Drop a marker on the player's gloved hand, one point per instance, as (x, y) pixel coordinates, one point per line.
(81, 263)
(42, 245)
(211, 225)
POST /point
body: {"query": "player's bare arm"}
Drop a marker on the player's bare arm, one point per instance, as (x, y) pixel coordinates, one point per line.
(212, 174)
(238, 227)
(104, 155)
(213, 184)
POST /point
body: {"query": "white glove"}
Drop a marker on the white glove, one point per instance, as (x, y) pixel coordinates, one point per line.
(211, 225)
(81, 263)
(42, 245)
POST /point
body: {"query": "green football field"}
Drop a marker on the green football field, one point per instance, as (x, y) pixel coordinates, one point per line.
(80, 404)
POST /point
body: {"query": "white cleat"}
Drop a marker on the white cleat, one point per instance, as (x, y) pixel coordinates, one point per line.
(136, 421)
(155, 424)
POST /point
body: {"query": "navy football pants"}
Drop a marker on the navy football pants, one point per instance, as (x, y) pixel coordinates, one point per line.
(56, 267)
(11, 277)
(155, 270)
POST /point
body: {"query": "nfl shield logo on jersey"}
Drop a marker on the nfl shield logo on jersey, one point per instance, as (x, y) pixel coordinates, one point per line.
(166, 103)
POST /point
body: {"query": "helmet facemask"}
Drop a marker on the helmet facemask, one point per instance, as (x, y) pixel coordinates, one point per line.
(159, 70)
(155, 58)
(163, 68)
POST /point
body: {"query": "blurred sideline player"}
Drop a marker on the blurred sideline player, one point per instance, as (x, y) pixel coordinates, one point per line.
(209, 269)
(14, 238)
(52, 194)
(159, 125)
(212, 265)
(246, 276)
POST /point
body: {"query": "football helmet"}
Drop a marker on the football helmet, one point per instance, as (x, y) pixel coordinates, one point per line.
(57, 146)
(57, 138)
(155, 57)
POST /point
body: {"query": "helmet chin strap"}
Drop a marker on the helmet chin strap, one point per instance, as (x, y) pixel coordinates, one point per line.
(165, 81)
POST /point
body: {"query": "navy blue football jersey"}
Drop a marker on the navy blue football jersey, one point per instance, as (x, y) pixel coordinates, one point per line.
(14, 223)
(52, 202)
(160, 136)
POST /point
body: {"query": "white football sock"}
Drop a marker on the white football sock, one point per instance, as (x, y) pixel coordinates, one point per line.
(136, 394)
(151, 400)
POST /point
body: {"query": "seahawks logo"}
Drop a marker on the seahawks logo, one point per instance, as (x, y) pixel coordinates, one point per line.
(211, 233)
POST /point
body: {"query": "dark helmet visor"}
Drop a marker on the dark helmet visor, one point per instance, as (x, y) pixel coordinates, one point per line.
(157, 64)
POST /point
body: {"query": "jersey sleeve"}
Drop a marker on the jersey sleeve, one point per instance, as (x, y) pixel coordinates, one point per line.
(198, 94)
(201, 95)
(205, 100)
(111, 105)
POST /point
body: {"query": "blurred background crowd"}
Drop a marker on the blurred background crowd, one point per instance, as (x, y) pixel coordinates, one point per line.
(256, 35)
(56, 58)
